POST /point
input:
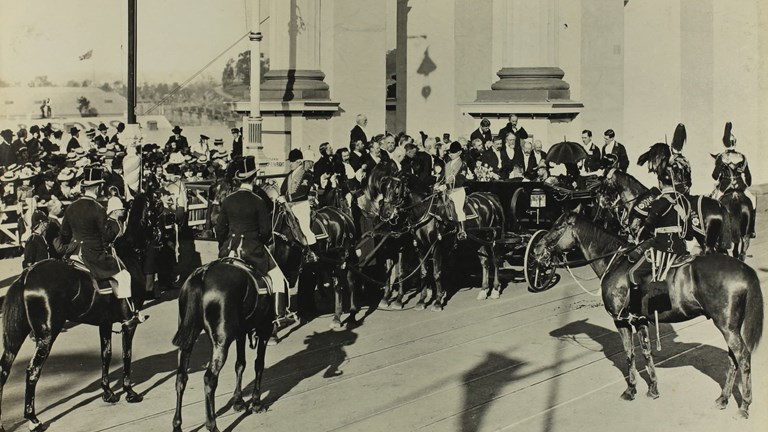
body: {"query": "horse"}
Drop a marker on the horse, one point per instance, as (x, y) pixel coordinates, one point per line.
(720, 287)
(336, 253)
(739, 210)
(52, 292)
(426, 215)
(707, 219)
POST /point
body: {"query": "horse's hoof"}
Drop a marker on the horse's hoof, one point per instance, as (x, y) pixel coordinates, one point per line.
(744, 413)
(258, 408)
(721, 403)
(495, 294)
(419, 306)
(383, 304)
(629, 394)
(272, 341)
(37, 427)
(397, 304)
(481, 295)
(110, 397)
(335, 324)
(437, 307)
(238, 404)
(133, 397)
(652, 393)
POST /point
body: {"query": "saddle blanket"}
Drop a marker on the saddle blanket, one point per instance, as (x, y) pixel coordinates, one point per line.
(263, 284)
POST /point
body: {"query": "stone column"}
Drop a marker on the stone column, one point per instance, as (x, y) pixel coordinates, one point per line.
(530, 71)
(295, 52)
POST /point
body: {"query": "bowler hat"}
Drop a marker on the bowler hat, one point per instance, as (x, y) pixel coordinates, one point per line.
(103, 127)
(176, 129)
(246, 167)
(73, 130)
(235, 130)
(295, 155)
(455, 147)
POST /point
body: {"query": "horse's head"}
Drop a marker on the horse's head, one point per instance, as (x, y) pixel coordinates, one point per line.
(561, 238)
(394, 193)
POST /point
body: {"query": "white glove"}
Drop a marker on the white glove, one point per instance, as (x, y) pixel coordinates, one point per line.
(281, 199)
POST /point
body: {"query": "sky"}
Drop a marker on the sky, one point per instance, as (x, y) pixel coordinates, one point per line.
(176, 38)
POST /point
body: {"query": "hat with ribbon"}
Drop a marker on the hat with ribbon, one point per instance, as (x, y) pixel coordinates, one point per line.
(66, 174)
(93, 175)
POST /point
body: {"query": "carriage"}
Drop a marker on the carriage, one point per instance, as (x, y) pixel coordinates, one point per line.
(531, 207)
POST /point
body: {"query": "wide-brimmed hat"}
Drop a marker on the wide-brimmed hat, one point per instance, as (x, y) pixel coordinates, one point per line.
(27, 173)
(202, 159)
(72, 156)
(246, 167)
(66, 174)
(295, 155)
(113, 204)
(80, 151)
(82, 162)
(9, 176)
(93, 175)
(176, 129)
(13, 167)
(219, 154)
(103, 127)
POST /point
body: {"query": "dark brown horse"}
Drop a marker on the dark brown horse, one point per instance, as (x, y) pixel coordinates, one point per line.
(337, 255)
(739, 209)
(52, 292)
(722, 288)
(224, 300)
(427, 216)
(707, 221)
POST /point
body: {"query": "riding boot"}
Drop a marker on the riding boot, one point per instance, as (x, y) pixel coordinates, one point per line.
(753, 215)
(283, 317)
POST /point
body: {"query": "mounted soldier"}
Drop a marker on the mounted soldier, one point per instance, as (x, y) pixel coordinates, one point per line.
(87, 235)
(732, 173)
(244, 227)
(679, 169)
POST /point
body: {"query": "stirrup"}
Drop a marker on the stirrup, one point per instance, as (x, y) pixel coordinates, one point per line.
(136, 319)
(289, 318)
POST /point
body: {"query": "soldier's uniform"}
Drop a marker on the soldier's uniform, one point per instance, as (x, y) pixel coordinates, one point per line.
(680, 172)
(295, 190)
(36, 248)
(732, 173)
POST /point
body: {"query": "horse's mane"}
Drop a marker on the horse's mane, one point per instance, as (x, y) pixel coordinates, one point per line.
(378, 173)
(595, 233)
(628, 180)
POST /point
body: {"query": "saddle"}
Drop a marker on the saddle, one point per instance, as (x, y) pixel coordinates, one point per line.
(263, 284)
(103, 287)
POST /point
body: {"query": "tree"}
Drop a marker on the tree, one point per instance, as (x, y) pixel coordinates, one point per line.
(73, 83)
(40, 81)
(106, 87)
(85, 108)
(243, 67)
(228, 76)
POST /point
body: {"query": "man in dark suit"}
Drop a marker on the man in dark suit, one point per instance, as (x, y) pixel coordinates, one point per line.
(512, 128)
(178, 138)
(492, 156)
(530, 164)
(116, 137)
(7, 156)
(33, 143)
(324, 165)
(483, 132)
(244, 225)
(357, 155)
(21, 141)
(594, 158)
(616, 149)
(74, 141)
(102, 139)
(237, 142)
(511, 155)
(358, 133)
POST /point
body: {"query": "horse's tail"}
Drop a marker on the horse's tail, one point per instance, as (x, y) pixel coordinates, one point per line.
(752, 328)
(15, 322)
(726, 231)
(190, 310)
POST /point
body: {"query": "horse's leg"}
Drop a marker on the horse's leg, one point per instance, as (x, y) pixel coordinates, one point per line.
(730, 376)
(338, 304)
(744, 246)
(211, 379)
(384, 303)
(645, 345)
(130, 395)
(398, 303)
(181, 384)
(424, 280)
(45, 336)
(257, 405)
(625, 331)
(238, 404)
(9, 355)
(742, 358)
(437, 263)
(349, 285)
(105, 336)
(484, 264)
(496, 293)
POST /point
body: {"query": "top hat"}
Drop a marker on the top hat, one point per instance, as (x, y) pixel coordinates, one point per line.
(103, 127)
(176, 129)
(295, 155)
(246, 167)
(93, 175)
(455, 147)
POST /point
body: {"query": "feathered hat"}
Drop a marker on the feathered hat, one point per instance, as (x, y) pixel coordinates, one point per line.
(678, 139)
(727, 136)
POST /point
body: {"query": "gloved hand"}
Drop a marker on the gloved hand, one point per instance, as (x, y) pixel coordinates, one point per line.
(280, 199)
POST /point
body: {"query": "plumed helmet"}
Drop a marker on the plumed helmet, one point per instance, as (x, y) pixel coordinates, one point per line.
(727, 135)
(678, 139)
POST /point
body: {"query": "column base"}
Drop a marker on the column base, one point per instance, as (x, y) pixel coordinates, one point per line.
(527, 84)
(294, 84)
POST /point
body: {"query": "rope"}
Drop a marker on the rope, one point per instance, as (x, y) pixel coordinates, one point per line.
(595, 294)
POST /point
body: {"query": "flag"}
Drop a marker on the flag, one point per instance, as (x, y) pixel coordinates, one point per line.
(87, 55)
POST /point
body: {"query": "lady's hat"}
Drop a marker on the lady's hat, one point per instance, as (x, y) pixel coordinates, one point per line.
(80, 152)
(114, 203)
(218, 141)
(66, 174)
(246, 168)
(202, 159)
(93, 175)
(176, 129)
(72, 156)
(27, 173)
(9, 176)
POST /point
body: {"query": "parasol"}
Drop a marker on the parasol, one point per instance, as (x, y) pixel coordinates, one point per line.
(566, 152)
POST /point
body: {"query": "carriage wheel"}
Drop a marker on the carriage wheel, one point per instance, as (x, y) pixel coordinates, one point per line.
(516, 207)
(538, 276)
